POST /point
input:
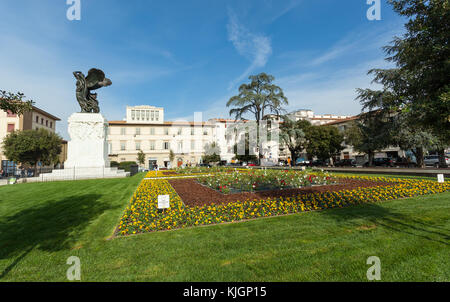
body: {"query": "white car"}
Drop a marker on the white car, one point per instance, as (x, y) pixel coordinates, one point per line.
(433, 160)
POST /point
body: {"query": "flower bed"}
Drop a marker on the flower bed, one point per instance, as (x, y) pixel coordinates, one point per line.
(143, 216)
(257, 180)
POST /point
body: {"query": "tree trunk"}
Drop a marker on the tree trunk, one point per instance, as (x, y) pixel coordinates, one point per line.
(442, 163)
(371, 156)
(419, 157)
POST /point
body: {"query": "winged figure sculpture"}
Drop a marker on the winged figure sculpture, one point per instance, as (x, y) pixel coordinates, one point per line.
(95, 79)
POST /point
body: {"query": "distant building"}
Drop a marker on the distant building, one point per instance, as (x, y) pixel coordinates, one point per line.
(34, 119)
(361, 158)
(306, 114)
(144, 128)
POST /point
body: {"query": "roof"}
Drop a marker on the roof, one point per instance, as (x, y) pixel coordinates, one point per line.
(343, 120)
(46, 113)
(124, 123)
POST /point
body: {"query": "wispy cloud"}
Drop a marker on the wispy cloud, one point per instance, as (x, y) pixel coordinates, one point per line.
(291, 5)
(334, 92)
(254, 47)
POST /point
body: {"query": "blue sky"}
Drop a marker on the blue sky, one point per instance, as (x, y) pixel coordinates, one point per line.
(191, 56)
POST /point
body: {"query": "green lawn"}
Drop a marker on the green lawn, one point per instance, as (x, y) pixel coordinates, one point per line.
(41, 225)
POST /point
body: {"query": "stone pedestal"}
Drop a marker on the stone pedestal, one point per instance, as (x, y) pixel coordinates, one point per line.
(87, 152)
(88, 147)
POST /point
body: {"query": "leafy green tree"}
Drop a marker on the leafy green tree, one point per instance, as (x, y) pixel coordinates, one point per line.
(211, 153)
(141, 157)
(32, 146)
(246, 157)
(212, 158)
(420, 82)
(258, 98)
(409, 135)
(171, 156)
(323, 141)
(14, 102)
(369, 134)
(292, 134)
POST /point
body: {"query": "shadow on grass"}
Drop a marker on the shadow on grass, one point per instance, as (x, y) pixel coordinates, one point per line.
(381, 216)
(54, 226)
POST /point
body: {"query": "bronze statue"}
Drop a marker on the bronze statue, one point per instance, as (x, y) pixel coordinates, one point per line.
(95, 79)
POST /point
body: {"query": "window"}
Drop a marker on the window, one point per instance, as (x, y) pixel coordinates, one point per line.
(138, 145)
(42, 121)
(205, 132)
(123, 131)
(157, 115)
(46, 123)
(192, 131)
(180, 146)
(147, 114)
(10, 114)
(166, 131)
(123, 146)
(133, 114)
(11, 127)
(152, 145)
(51, 125)
(138, 131)
(152, 131)
(37, 119)
(153, 115)
(166, 145)
(179, 131)
(192, 145)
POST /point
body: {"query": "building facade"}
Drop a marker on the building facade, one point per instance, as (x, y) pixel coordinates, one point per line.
(34, 119)
(144, 129)
(306, 114)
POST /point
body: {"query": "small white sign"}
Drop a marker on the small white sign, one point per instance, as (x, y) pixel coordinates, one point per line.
(163, 201)
(441, 178)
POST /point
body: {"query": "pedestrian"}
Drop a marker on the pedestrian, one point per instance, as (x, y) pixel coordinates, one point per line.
(156, 169)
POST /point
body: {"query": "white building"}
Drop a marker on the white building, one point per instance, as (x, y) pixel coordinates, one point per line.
(306, 114)
(144, 129)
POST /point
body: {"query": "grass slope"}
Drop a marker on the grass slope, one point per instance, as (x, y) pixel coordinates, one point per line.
(41, 225)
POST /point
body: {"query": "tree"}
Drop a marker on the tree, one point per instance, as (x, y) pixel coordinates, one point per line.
(212, 152)
(292, 134)
(323, 141)
(171, 156)
(409, 135)
(370, 133)
(14, 102)
(420, 83)
(258, 98)
(32, 146)
(246, 157)
(141, 157)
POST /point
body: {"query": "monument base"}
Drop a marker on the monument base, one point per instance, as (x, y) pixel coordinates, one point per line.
(84, 173)
(87, 152)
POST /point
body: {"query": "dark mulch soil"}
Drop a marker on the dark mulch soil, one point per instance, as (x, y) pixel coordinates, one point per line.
(195, 194)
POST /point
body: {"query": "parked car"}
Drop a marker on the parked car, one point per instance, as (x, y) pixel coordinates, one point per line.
(318, 163)
(347, 162)
(232, 165)
(302, 162)
(205, 165)
(381, 162)
(404, 162)
(433, 160)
